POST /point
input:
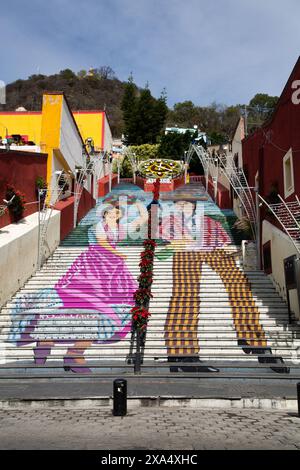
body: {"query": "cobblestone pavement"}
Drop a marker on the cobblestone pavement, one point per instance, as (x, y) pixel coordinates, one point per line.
(149, 428)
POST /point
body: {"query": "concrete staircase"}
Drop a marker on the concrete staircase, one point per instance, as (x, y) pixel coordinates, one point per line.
(244, 324)
(205, 309)
(30, 301)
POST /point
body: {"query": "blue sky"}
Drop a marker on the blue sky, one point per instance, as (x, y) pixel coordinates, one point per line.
(200, 50)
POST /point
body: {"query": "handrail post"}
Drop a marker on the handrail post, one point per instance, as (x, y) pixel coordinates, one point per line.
(137, 362)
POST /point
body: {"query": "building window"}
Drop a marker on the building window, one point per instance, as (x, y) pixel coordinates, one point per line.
(288, 174)
(267, 258)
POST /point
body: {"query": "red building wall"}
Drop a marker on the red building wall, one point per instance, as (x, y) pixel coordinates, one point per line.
(66, 207)
(21, 170)
(148, 187)
(223, 194)
(103, 184)
(264, 150)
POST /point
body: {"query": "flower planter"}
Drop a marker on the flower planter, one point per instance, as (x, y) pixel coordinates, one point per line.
(17, 206)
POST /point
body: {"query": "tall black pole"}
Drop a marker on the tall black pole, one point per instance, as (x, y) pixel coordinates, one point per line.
(137, 362)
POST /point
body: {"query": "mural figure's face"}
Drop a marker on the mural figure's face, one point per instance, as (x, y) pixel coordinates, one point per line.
(185, 207)
(112, 216)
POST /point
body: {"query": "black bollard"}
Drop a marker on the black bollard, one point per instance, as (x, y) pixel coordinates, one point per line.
(120, 397)
(298, 397)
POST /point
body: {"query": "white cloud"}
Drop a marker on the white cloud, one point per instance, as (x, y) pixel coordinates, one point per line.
(223, 50)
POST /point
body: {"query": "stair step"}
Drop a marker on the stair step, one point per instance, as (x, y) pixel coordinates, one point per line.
(251, 291)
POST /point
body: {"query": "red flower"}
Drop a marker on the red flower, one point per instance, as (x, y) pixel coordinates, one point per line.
(17, 207)
(146, 276)
(140, 317)
(146, 263)
(149, 242)
(147, 254)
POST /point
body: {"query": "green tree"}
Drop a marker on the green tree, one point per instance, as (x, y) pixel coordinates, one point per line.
(263, 102)
(260, 108)
(67, 74)
(160, 112)
(210, 119)
(128, 106)
(105, 72)
(144, 116)
(82, 73)
(145, 151)
(126, 169)
(184, 114)
(217, 138)
(229, 117)
(173, 145)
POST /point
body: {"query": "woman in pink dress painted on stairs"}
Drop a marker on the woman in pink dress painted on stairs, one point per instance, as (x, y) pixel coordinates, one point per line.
(95, 295)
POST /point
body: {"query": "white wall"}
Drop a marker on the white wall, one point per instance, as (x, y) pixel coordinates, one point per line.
(281, 248)
(70, 141)
(23, 148)
(236, 143)
(56, 193)
(19, 252)
(108, 140)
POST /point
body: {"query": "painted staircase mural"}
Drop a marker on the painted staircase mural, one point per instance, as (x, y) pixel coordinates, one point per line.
(74, 314)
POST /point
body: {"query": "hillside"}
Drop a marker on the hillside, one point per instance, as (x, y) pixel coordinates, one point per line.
(101, 89)
(89, 92)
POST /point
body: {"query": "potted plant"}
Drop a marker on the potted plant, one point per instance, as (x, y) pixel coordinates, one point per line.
(41, 189)
(16, 202)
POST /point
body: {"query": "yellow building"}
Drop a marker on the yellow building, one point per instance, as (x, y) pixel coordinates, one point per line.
(25, 123)
(28, 124)
(94, 124)
(58, 131)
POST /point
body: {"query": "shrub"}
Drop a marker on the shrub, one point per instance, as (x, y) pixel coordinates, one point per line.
(17, 206)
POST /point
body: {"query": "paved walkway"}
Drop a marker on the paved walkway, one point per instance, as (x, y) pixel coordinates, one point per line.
(146, 428)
